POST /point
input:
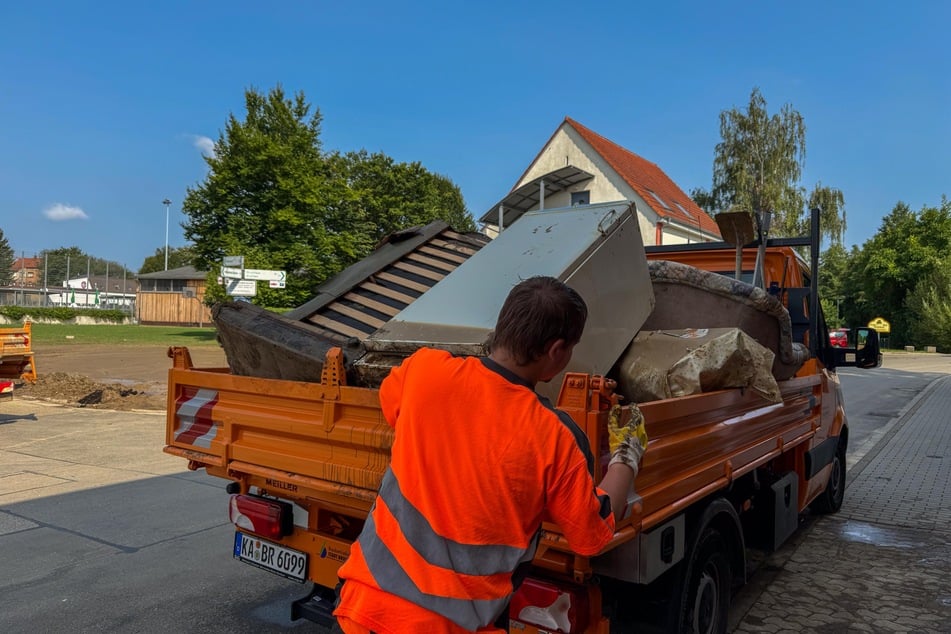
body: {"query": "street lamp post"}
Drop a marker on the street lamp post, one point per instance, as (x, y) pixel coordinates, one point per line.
(166, 202)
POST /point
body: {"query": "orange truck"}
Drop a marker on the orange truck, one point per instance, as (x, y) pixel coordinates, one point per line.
(16, 356)
(726, 472)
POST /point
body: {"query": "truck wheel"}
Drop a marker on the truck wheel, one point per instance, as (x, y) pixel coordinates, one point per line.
(830, 500)
(705, 599)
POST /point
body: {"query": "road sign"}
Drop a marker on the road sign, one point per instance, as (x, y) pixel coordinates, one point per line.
(275, 283)
(262, 274)
(242, 288)
(880, 325)
(233, 260)
(230, 272)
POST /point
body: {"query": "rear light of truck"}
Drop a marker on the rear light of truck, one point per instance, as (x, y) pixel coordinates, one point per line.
(268, 518)
(550, 607)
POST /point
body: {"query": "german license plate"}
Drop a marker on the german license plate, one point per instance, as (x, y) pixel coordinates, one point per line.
(271, 557)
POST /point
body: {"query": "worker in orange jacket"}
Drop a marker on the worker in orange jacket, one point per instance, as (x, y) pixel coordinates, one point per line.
(479, 460)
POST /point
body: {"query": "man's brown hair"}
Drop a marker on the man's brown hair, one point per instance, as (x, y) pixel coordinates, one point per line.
(536, 312)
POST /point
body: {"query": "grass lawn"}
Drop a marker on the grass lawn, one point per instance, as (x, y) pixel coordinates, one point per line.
(122, 334)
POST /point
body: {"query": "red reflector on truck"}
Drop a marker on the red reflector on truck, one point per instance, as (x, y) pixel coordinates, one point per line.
(550, 607)
(267, 518)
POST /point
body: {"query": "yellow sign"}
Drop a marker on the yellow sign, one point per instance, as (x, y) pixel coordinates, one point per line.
(880, 325)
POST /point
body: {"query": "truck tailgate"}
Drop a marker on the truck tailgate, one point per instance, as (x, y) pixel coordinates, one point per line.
(16, 353)
(328, 439)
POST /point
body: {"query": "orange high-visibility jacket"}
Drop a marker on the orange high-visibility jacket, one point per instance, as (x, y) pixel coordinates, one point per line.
(479, 459)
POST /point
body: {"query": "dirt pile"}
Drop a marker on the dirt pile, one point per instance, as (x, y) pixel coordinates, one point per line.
(78, 390)
(117, 377)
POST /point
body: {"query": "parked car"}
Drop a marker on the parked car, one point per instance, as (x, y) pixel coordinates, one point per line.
(839, 338)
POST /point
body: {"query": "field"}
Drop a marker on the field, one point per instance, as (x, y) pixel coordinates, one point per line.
(122, 334)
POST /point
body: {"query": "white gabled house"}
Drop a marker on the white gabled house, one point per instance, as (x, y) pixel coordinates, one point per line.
(578, 166)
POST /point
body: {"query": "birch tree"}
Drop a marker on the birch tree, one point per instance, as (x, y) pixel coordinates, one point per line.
(758, 167)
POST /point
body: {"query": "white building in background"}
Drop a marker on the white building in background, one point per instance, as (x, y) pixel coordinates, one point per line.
(96, 291)
(578, 166)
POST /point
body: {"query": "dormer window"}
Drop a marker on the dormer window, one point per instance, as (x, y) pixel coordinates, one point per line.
(659, 199)
(681, 208)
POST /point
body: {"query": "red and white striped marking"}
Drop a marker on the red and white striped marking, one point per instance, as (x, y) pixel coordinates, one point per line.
(195, 425)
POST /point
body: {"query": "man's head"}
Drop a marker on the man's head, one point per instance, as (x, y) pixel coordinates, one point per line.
(537, 313)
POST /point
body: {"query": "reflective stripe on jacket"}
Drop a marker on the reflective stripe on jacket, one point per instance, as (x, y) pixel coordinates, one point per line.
(478, 460)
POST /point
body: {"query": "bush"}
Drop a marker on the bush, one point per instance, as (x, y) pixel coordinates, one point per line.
(60, 313)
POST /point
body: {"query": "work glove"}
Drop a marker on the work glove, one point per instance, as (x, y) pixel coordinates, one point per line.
(628, 442)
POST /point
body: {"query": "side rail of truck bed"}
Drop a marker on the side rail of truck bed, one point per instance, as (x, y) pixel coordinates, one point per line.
(325, 447)
(699, 445)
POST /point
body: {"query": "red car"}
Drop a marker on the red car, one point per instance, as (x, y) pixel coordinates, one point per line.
(839, 338)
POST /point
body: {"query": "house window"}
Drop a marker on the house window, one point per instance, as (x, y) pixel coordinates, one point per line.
(580, 198)
(163, 286)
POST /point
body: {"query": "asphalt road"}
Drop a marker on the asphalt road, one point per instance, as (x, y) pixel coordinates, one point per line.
(102, 532)
(873, 398)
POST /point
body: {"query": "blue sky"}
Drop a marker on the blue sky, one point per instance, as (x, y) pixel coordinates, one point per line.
(105, 106)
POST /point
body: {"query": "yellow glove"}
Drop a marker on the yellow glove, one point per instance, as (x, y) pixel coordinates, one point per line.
(627, 442)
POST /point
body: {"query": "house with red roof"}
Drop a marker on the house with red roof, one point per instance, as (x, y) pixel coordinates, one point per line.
(578, 166)
(27, 272)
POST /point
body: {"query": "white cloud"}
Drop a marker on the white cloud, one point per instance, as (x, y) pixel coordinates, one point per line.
(203, 143)
(59, 211)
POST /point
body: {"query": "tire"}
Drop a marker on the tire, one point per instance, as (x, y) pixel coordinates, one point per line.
(830, 500)
(704, 601)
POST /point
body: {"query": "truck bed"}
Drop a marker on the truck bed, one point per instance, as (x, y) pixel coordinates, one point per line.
(333, 445)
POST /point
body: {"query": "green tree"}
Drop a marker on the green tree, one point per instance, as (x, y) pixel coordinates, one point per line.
(63, 263)
(264, 197)
(831, 205)
(273, 196)
(387, 196)
(177, 257)
(758, 166)
(909, 247)
(75, 262)
(7, 259)
(833, 267)
(705, 200)
(929, 305)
